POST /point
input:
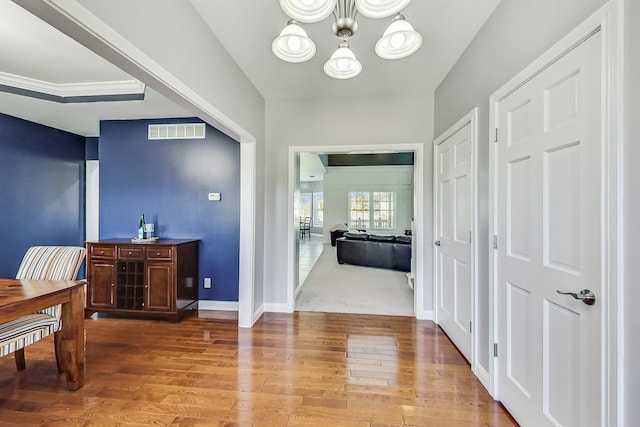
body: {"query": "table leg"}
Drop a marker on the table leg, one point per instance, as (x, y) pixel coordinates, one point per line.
(72, 339)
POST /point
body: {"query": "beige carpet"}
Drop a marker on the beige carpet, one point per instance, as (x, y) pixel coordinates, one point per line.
(331, 287)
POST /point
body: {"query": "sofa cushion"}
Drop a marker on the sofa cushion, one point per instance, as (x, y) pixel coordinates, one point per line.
(403, 239)
(356, 236)
(382, 238)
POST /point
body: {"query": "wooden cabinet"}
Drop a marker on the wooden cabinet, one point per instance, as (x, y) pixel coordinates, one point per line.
(142, 279)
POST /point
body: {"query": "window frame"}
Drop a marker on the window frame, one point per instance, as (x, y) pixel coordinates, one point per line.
(370, 207)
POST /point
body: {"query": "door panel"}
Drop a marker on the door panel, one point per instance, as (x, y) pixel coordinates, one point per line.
(548, 222)
(453, 230)
(102, 283)
(159, 286)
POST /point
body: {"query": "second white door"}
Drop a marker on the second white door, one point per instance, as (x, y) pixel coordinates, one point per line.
(454, 207)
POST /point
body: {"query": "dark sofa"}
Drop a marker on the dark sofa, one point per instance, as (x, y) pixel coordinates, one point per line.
(391, 252)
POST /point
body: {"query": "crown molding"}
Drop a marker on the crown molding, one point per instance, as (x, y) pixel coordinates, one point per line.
(121, 90)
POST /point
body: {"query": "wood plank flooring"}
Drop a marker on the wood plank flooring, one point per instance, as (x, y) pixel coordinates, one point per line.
(301, 369)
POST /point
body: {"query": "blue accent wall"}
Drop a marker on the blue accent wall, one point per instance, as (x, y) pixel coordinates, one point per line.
(169, 182)
(41, 189)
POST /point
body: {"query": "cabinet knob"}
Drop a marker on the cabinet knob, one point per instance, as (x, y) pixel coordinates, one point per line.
(158, 254)
(129, 253)
(101, 252)
(113, 284)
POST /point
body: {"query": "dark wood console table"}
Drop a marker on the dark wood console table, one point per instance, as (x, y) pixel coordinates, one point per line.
(142, 279)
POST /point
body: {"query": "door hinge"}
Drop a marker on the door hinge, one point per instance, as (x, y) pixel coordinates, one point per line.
(496, 140)
(470, 327)
(495, 349)
(470, 237)
(495, 241)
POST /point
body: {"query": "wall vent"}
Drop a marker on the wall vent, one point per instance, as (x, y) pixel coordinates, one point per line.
(177, 131)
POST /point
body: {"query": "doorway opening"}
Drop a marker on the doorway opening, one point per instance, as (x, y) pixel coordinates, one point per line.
(331, 279)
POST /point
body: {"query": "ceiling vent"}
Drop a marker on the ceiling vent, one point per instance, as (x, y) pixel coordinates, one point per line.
(177, 131)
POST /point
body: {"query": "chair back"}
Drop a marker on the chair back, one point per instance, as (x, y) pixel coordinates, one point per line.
(51, 263)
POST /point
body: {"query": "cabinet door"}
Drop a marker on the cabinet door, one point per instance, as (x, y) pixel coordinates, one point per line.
(159, 286)
(102, 279)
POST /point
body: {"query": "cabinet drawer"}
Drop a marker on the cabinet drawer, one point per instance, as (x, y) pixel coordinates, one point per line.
(103, 252)
(160, 253)
(130, 252)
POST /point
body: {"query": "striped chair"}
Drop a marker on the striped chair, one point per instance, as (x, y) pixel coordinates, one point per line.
(40, 262)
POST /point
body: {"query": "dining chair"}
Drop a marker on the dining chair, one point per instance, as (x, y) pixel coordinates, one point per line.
(305, 227)
(40, 263)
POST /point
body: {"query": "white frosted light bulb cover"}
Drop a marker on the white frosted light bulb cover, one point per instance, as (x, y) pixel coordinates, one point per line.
(308, 11)
(293, 44)
(398, 41)
(342, 64)
(380, 8)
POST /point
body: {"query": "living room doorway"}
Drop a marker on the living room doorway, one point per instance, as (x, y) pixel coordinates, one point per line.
(299, 248)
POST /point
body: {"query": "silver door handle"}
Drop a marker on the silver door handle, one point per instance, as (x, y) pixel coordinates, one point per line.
(437, 243)
(585, 295)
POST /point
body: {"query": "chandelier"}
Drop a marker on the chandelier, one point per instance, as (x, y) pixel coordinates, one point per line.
(399, 40)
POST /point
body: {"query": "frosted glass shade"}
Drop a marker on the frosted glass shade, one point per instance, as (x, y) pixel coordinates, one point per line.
(308, 11)
(399, 40)
(380, 8)
(293, 44)
(342, 64)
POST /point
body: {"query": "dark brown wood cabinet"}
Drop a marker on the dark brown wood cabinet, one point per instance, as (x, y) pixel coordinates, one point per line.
(143, 279)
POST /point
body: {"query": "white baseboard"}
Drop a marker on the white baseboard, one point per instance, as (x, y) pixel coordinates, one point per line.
(257, 313)
(276, 308)
(218, 305)
(483, 376)
(425, 315)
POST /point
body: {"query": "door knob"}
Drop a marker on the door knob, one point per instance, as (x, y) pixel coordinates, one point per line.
(437, 243)
(585, 295)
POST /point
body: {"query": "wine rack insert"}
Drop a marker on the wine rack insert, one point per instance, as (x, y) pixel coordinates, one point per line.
(130, 285)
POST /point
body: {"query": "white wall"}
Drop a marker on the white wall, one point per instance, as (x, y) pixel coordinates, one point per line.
(339, 181)
(322, 122)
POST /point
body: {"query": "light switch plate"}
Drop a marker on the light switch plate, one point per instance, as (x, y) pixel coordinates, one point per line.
(215, 197)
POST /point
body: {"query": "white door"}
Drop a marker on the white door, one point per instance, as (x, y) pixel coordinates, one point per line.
(549, 188)
(454, 203)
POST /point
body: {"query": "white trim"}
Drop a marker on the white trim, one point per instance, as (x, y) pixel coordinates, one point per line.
(274, 307)
(217, 305)
(427, 315)
(86, 28)
(67, 90)
(418, 190)
(92, 200)
(471, 119)
(483, 375)
(609, 20)
(247, 316)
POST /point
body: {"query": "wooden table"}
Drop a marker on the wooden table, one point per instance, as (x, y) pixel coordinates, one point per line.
(21, 297)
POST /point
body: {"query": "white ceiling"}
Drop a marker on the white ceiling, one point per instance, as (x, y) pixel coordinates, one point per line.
(246, 28)
(35, 50)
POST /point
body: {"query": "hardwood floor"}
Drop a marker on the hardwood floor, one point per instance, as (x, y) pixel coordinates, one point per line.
(301, 369)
